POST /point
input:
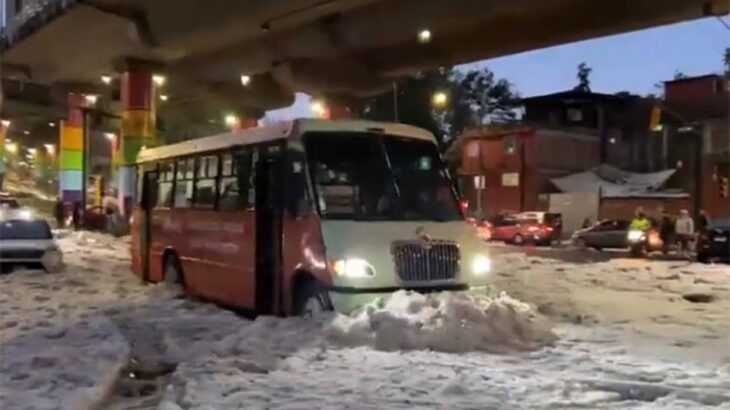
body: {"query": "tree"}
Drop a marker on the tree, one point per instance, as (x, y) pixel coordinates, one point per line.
(480, 98)
(678, 75)
(409, 101)
(726, 59)
(583, 76)
(474, 98)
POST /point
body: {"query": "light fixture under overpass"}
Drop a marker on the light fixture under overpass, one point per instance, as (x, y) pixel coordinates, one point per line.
(106, 79)
(91, 99)
(439, 99)
(230, 120)
(424, 36)
(5, 123)
(319, 108)
(164, 97)
(245, 80)
(159, 80)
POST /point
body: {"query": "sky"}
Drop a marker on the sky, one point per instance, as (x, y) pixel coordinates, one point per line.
(632, 62)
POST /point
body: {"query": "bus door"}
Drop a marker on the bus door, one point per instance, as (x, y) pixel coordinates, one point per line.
(141, 223)
(269, 190)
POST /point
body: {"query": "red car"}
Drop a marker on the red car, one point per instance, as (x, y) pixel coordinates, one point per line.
(521, 231)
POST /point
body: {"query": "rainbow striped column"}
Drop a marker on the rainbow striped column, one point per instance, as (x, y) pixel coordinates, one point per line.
(71, 146)
(138, 129)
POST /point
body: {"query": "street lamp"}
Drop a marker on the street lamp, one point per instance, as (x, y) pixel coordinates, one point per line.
(440, 99)
(51, 124)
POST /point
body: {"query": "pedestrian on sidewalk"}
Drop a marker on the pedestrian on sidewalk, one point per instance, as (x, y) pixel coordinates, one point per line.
(59, 212)
(666, 232)
(685, 229)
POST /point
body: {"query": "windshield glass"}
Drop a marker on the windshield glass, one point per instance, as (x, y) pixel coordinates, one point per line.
(21, 229)
(365, 176)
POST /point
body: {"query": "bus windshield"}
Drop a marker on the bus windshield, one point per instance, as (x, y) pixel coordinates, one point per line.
(368, 176)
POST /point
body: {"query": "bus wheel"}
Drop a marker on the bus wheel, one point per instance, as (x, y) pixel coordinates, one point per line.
(311, 299)
(173, 271)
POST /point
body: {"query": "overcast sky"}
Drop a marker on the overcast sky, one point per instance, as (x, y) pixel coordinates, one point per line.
(632, 62)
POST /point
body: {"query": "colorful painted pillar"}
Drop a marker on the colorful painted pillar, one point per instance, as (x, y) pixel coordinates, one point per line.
(71, 151)
(137, 131)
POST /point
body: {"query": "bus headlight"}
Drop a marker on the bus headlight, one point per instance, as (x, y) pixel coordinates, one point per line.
(353, 268)
(481, 265)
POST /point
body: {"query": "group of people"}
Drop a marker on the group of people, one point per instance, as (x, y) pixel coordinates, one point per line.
(681, 230)
(109, 205)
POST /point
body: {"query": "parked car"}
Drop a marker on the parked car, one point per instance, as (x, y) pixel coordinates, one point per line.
(521, 231)
(27, 240)
(551, 224)
(613, 234)
(715, 244)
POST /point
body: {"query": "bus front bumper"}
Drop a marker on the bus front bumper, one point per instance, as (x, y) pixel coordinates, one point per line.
(347, 299)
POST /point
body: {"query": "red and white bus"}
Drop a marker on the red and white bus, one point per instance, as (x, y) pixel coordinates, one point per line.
(303, 216)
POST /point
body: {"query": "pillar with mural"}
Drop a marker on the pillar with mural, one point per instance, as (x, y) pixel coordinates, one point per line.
(70, 153)
(137, 129)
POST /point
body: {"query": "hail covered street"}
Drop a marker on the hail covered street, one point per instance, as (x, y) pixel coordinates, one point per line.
(555, 332)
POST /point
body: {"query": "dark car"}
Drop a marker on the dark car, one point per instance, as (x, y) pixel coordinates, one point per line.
(715, 244)
(605, 234)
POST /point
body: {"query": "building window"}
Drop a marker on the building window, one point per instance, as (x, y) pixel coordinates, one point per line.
(18, 6)
(510, 145)
(184, 183)
(164, 187)
(235, 181)
(575, 115)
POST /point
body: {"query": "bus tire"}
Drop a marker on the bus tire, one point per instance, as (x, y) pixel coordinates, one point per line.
(311, 298)
(173, 273)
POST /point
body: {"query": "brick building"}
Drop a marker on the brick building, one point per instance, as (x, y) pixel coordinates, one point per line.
(517, 164)
(696, 117)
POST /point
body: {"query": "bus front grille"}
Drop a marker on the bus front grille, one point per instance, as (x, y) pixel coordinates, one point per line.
(419, 261)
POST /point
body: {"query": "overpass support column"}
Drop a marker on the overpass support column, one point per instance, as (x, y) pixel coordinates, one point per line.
(71, 147)
(137, 129)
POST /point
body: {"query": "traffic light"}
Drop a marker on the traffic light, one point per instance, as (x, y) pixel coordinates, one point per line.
(724, 193)
(655, 122)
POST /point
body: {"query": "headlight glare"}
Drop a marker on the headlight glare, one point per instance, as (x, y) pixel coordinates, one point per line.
(353, 268)
(481, 265)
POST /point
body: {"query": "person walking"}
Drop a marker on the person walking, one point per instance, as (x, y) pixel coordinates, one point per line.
(76, 215)
(702, 225)
(59, 212)
(666, 232)
(685, 229)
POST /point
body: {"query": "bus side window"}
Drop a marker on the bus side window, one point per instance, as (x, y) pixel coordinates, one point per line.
(234, 181)
(205, 180)
(184, 183)
(164, 185)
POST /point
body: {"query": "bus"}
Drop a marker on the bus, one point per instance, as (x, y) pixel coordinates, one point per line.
(303, 216)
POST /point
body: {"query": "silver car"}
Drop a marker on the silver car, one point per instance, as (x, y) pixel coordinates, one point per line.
(26, 240)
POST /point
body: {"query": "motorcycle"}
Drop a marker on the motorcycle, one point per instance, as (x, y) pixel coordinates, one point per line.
(637, 242)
